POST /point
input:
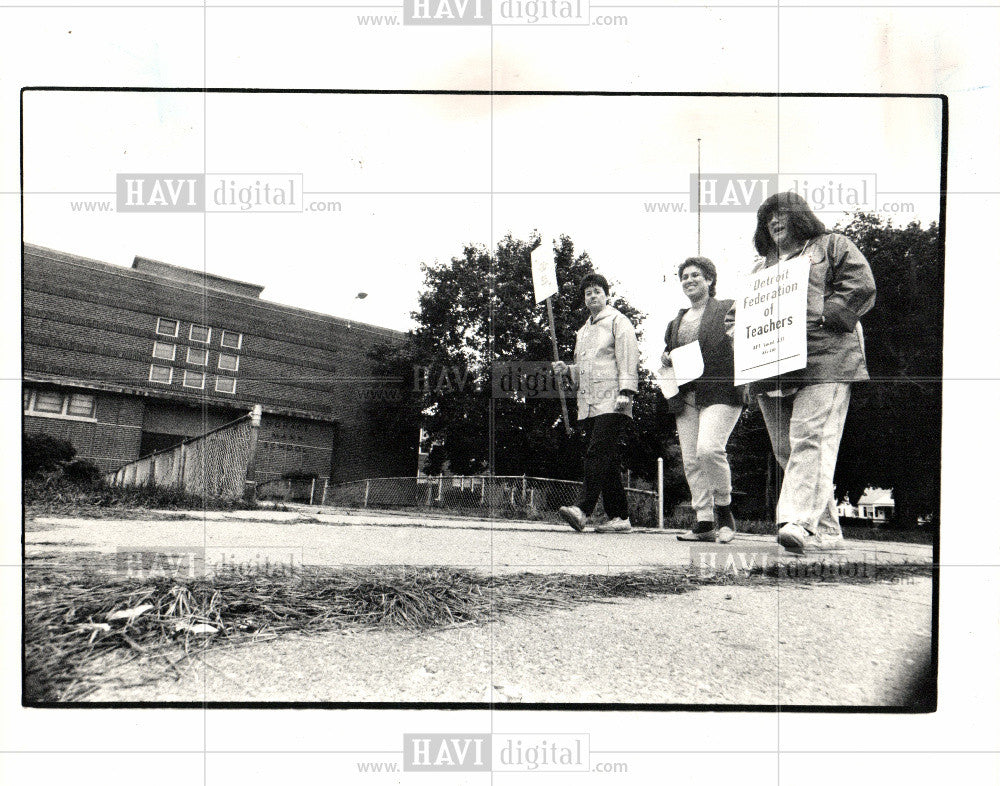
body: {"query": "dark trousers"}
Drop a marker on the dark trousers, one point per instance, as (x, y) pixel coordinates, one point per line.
(602, 465)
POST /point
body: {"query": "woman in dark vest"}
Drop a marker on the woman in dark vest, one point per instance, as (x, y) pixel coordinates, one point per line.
(707, 408)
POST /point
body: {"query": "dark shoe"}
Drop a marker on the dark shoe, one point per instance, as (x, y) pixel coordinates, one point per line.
(703, 531)
(573, 516)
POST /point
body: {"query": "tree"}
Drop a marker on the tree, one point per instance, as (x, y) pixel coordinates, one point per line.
(892, 438)
(477, 319)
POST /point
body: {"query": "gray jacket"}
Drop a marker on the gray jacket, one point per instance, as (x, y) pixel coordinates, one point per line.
(605, 362)
(841, 290)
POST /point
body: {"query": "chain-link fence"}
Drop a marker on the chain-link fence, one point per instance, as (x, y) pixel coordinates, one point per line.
(219, 463)
(510, 496)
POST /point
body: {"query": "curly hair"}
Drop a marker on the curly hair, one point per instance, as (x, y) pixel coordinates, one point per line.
(802, 222)
(707, 268)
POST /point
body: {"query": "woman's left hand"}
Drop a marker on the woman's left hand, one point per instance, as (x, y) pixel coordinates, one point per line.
(622, 402)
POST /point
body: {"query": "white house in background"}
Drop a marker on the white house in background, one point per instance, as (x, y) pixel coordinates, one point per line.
(876, 504)
(845, 508)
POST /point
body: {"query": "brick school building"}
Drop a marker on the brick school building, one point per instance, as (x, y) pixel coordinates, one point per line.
(123, 362)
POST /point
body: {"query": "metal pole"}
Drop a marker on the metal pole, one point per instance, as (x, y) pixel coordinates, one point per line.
(699, 196)
(250, 481)
(555, 356)
(367, 486)
(659, 492)
(325, 482)
(312, 491)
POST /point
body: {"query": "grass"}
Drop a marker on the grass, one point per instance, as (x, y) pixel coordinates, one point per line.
(77, 616)
(99, 500)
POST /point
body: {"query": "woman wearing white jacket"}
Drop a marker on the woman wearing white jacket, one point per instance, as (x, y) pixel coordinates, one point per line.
(605, 372)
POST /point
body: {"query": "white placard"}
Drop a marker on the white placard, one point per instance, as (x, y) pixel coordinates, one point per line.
(770, 336)
(543, 273)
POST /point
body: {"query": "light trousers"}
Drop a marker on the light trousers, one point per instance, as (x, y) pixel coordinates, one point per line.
(703, 433)
(805, 431)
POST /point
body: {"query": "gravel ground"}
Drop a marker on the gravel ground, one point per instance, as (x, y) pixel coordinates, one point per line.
(804, 645)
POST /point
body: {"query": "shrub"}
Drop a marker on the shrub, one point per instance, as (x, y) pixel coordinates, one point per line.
(41, 453)
(81, 472)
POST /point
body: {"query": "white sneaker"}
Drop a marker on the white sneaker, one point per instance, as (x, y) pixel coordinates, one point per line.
(573, 516)
(615, 525)
(797, 539)
(793, 537)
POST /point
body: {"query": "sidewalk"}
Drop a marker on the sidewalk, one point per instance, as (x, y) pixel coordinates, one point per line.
(341, 537)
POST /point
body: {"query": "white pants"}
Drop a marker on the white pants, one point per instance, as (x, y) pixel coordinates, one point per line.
(703, 433)
(805, 431)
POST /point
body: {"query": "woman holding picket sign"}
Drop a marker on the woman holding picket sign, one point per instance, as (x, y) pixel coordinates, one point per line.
(707, 408)
(605, 372)
(805, 410)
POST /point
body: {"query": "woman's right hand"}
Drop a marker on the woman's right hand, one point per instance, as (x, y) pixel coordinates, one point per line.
(665, 360)
(559, 367)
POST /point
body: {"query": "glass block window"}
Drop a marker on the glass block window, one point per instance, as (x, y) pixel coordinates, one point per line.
(197, 357)
(200, 333)
(225, 385)
(164, 375)
(164, 351)
(229, 362)
(194, 379)
(166, 327)
(231, 340)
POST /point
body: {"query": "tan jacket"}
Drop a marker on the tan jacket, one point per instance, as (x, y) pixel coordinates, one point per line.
(605, 362)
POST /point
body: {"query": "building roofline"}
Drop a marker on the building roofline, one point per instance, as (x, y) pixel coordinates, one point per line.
(127, 272)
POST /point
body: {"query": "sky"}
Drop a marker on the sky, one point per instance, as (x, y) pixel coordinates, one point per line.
(419, 176)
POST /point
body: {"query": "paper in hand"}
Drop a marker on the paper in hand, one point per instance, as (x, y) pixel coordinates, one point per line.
(687, 363)
(667, 381)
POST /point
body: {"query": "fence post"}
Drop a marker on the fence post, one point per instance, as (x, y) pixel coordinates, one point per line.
(430, 492)
(323, 500)
(182, 460)
(367, 487)
(250, 482)
(659, 492)
(524, 489)
(312, 491)
(440, 484)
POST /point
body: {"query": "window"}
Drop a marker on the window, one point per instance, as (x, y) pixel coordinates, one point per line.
(231, 340)
(166, 327)
(163, 350)
(229, 362)
(47, 403)
(81, 405)
(162, 374)
(194, 379)
(200, 333)
(225, 385)
(197, 357)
